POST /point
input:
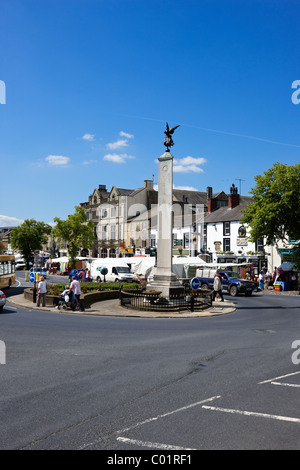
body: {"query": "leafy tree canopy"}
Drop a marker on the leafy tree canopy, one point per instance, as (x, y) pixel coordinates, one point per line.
(29, 236)
(275, 211)
(76, 231)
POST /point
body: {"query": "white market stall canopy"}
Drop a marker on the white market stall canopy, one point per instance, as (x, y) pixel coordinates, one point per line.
(182, 267)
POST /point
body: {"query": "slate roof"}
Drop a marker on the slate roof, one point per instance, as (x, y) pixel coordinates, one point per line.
(189, 197)
(224, 214)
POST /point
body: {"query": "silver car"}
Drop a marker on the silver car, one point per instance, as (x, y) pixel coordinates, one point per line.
(2, 300)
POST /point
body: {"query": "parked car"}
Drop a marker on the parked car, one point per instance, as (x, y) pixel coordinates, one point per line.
(38, 271)
(231, 283)
(20, 265)
(116, 270)
(2, 300)
(74, 272)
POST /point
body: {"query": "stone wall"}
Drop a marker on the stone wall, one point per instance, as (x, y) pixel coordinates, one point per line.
(87, 299)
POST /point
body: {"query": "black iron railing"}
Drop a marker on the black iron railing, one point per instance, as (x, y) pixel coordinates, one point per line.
(153, 301)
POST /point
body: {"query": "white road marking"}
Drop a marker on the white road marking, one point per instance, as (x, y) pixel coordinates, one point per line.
(152, 445)
(149, 420)
(276, 378)
(285, 384)
(252, 413)
(153, 419)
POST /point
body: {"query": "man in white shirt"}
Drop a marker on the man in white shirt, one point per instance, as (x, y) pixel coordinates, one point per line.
(218, 287)
(75, 288)
(42, 290)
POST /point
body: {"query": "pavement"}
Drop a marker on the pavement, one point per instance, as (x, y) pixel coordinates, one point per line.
(112, 308)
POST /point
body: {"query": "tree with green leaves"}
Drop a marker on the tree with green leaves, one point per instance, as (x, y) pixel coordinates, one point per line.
(31, 235)
(76, 231)
(274, 213)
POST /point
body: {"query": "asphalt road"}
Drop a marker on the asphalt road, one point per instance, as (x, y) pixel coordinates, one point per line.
(82, 382)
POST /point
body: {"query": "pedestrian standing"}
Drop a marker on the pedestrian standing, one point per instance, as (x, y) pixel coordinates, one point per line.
(217, 287)
(75, 288)
(261, 280)
(41, 291)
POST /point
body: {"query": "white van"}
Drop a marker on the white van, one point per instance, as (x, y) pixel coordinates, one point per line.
(117, 270)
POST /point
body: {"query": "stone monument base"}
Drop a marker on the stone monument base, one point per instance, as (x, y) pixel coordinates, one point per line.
(167, 284)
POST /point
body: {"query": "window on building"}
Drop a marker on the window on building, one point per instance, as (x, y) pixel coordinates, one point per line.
(113, 232)
(186, 240)
(104, 232)
(259, 245)
(104, 213)
(226, 229)
(152, 241)
(113, 212)
(222, 203)
(226, 244)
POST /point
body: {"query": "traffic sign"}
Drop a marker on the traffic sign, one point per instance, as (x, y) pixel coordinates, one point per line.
(195, 283)
(32, 277)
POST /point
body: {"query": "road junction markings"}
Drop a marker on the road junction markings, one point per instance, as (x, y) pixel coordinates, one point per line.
(273, 381)
(205, 406)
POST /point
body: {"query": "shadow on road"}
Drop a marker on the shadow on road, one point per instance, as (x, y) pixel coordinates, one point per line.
(14, 291)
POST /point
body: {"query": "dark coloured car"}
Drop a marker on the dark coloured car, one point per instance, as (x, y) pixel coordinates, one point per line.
(74, 272)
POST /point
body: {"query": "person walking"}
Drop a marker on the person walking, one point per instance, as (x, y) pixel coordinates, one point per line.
(41, 292)
(217, 287)
(76, 290)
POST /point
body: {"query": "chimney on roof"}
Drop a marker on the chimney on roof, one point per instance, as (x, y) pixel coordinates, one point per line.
(211, 203)
(233, 197)
(148, 184)
(102, 187)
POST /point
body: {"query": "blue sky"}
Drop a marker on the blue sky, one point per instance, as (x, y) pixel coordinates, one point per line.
(90, 85)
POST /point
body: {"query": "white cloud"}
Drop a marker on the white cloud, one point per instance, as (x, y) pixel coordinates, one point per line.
(188, 165)
(116, 158)
(89, 162)
(186, 188)
(57, 160)
(187, 169)
(89, 137)
(190, 161)
(118, 144)
(125, 134)
(6, 221)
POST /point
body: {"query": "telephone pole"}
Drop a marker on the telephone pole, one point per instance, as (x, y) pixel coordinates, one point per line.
(240, 180)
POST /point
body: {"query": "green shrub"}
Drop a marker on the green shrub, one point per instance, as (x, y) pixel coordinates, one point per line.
(86, 287)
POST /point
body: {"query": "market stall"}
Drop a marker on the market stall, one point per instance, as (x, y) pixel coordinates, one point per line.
(286, 277)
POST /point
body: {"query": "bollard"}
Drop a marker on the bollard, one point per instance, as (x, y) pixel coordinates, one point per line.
(34, 295)
(192, 302)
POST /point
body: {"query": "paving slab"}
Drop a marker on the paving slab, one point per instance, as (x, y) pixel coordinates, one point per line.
(113, 308)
